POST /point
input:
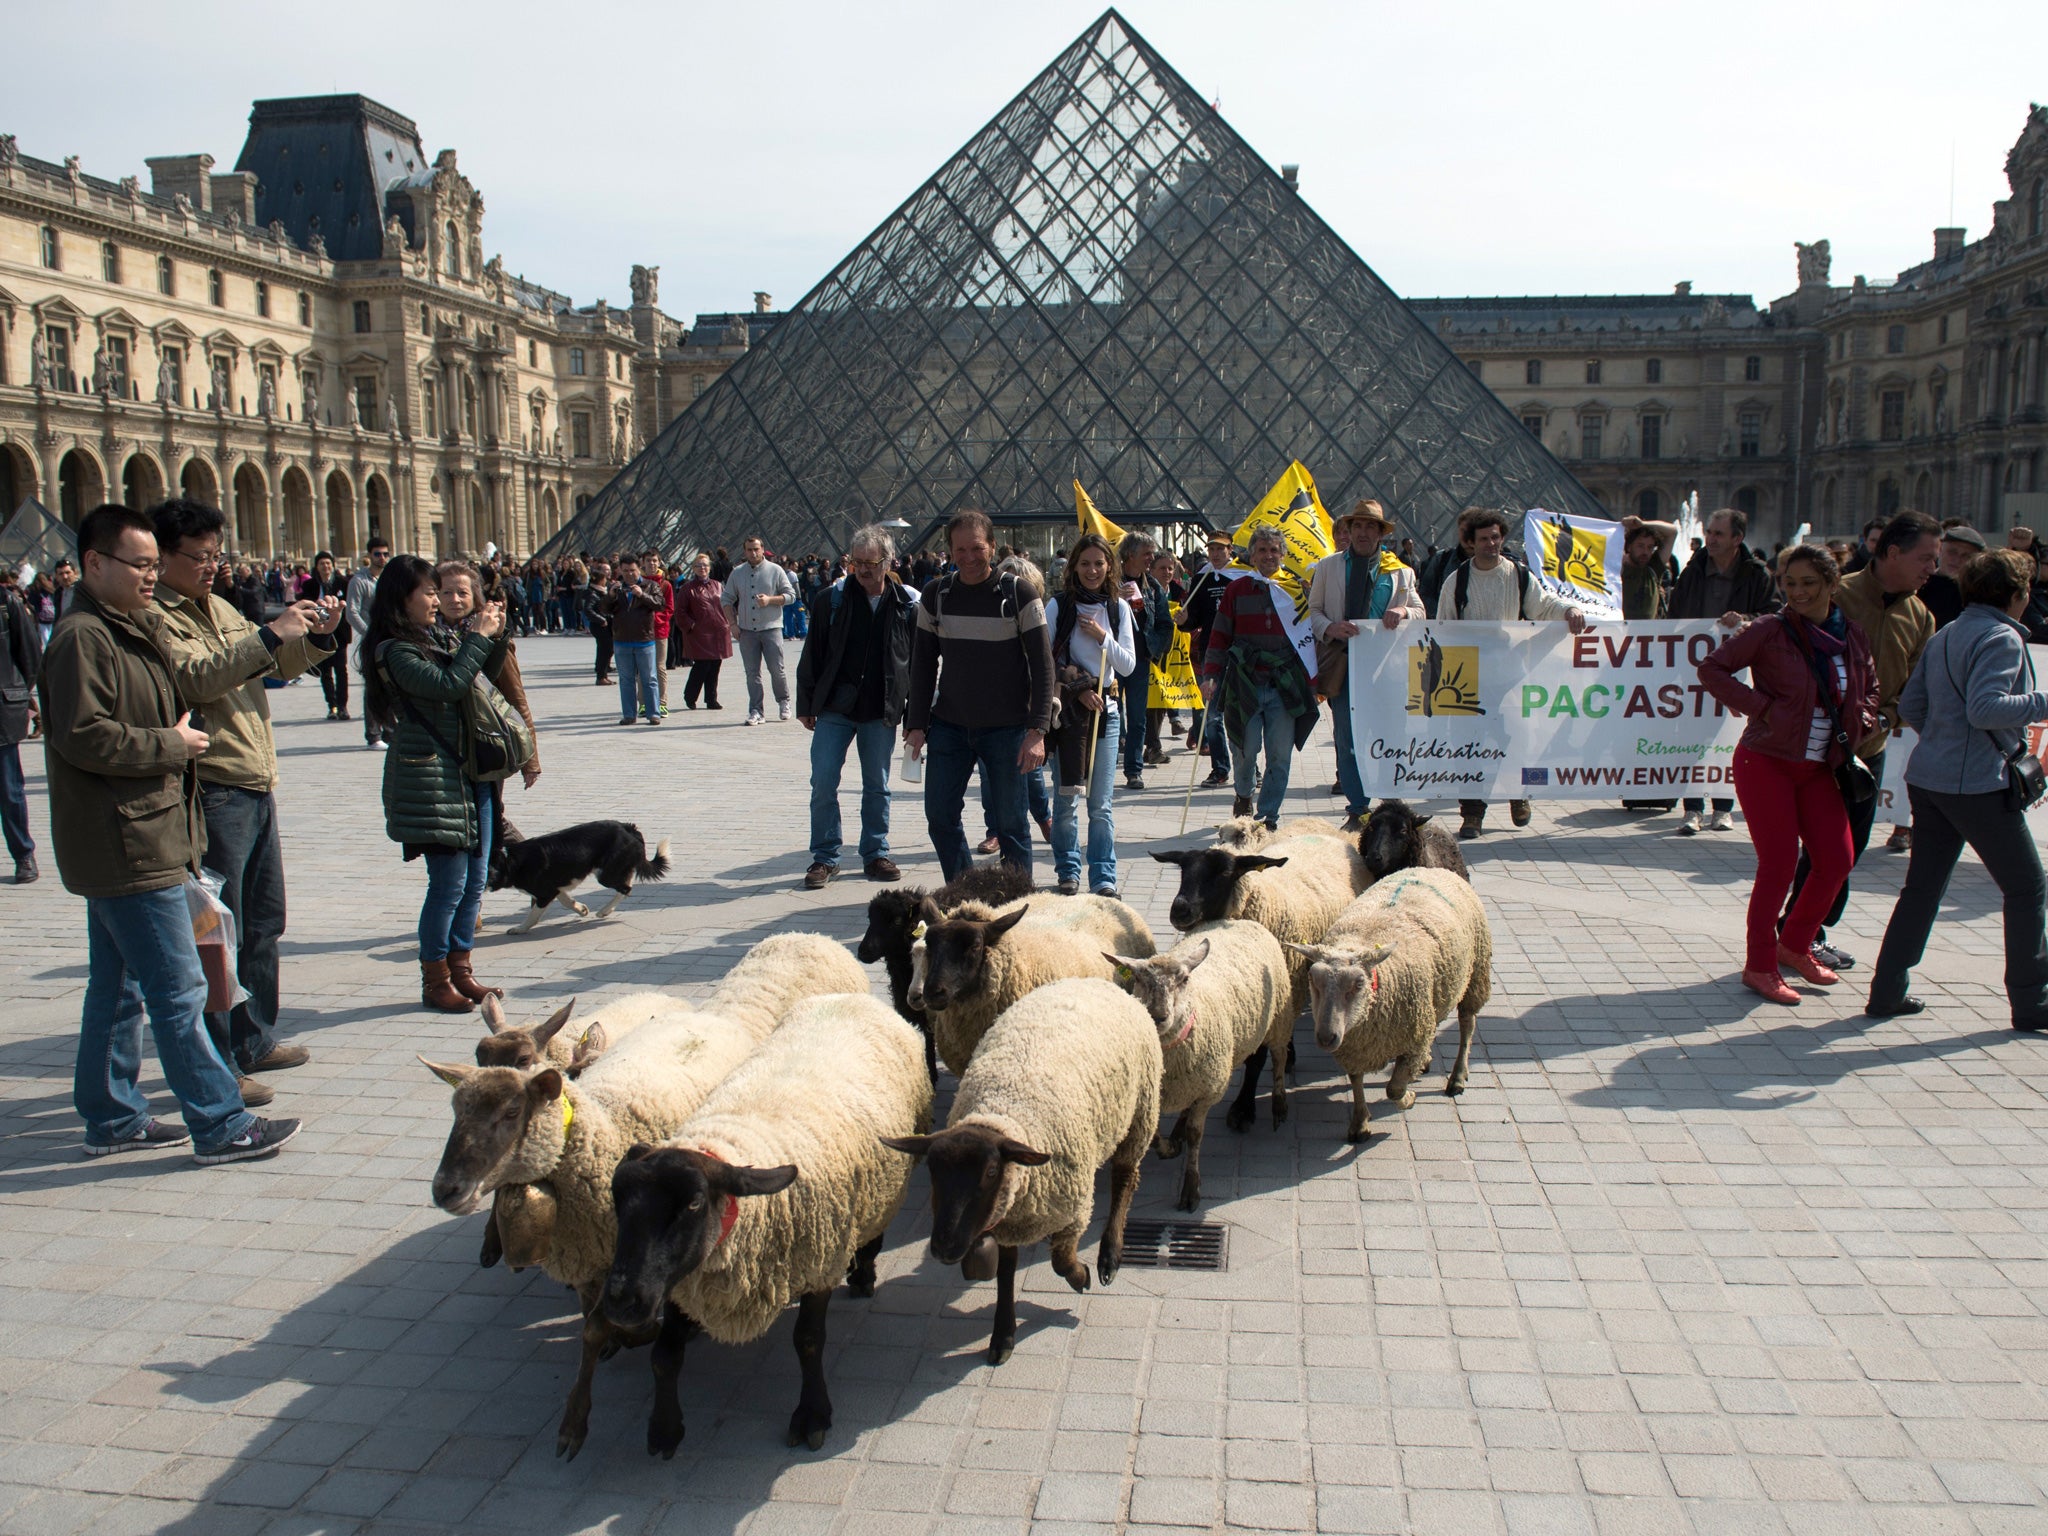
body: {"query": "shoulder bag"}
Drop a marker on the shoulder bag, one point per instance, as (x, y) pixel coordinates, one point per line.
(496, 738)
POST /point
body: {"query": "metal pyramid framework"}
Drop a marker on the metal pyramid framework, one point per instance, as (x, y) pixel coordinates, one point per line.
(1105, 284)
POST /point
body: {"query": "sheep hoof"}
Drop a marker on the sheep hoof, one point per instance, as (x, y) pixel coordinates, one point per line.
(569, 1442)
(1406, 1098)
(1079, 1279)
(1189, 1198)
(808, 1426)
(663, 1439)
(1239, 1120)
(1000, 1350)
(610, 1347)
(860, 1287)
(1166, 1151)
(1279, 1113)
(1455, 1087)
(1357, 1135)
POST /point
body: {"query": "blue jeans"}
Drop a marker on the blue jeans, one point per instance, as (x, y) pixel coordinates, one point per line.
(1035, 798)
(455, 888)
(1268, 724)
(1066, 817)
(1355, 802)
(950, 755)
(1137, 692)
(635, 660)
(242, 848)
(140, 958)
(876, 739)
(14, 803)
(1218, 745)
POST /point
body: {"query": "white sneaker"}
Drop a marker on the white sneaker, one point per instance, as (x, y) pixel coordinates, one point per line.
(1690, 827)
(1724, 821)
(753, 719)
(785, 711)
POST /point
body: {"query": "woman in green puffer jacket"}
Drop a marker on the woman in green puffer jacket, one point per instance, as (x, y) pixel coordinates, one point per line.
(417, 683)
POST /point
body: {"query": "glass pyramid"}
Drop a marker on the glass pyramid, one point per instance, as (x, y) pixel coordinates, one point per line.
(1105, 284)
(34, 537)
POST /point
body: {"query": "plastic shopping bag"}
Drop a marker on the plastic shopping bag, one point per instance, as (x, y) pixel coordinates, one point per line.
(213, 930)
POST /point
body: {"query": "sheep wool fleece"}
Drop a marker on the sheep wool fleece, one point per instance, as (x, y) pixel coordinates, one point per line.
(1072, 1070)
(780, 972)
(838, 1075)
(1297, 902)
(1059, 937)
(1238, 998)
(1442, 961)
(619, 1019)
(640, 1091)
(1248, 834)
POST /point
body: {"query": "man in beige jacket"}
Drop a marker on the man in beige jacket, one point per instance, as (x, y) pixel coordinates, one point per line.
(221, 677)
(1347, 591)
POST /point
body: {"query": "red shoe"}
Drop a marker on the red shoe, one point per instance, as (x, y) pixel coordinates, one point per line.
(1770, 986)
(1807, 967)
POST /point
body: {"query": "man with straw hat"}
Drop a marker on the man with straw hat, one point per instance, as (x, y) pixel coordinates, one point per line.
(1360, 583)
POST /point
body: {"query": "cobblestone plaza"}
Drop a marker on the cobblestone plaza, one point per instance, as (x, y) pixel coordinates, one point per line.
(1674, 1262)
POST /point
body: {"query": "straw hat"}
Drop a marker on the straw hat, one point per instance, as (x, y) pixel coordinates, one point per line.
(1369, 511)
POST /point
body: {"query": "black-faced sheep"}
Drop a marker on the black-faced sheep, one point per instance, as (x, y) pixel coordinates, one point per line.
(1065, 1081)
(1400, 957)
(1216, 997)
(893, 916)
(969, 967)
(1394, 838)
(1294, 890)
(779, 1185)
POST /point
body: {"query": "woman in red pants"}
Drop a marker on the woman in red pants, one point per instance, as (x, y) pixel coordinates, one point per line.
(1784, 767)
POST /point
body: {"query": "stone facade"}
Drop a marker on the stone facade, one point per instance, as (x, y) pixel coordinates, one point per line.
(1830, 406)
(314, 342)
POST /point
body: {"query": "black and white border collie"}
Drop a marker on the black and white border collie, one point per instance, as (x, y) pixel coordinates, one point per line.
(549, 867)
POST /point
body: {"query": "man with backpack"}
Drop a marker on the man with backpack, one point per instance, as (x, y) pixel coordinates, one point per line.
(1492, 586)
(852, 683)
(991, 702)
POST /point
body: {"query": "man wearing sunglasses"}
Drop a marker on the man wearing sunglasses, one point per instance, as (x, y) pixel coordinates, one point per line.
(126, 825)
(852, 683)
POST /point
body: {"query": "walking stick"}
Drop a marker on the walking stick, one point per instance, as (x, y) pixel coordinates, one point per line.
(1101, 682)
(1194, 767)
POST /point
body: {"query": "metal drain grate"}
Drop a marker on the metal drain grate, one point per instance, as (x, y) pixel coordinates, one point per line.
(1176, 1245)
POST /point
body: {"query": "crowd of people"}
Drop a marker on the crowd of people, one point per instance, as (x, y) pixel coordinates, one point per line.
(145, 667)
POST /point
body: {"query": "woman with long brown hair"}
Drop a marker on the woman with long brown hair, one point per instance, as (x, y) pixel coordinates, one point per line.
(1092, 638)
(1811, 697)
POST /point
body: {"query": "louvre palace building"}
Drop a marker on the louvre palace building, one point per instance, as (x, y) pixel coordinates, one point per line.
(1105, 284)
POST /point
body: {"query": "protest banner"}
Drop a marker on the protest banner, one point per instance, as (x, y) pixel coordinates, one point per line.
(1173, 682)
(1478, 710)
(1577, 559)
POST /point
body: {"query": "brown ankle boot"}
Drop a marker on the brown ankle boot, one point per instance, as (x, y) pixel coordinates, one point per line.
(464, 978)
(437, 991)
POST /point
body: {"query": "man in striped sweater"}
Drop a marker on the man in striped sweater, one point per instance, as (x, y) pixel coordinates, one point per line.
(1255, 672)
(980, 693)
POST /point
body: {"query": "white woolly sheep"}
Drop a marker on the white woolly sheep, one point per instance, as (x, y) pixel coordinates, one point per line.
(1066, 1080)
(1216, 997)
(1249, 834)
(1294, 890)
(968, 967)
(779, 1185)
(780, 972)
(1399, 958)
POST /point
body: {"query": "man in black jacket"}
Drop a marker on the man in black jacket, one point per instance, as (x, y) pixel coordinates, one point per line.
(21, 661)
(852, 683)
(1197, 617)
(1723, 581)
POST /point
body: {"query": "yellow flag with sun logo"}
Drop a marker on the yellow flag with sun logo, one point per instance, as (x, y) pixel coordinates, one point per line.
(1297, 511)
(1576, 558)
(1092, 521)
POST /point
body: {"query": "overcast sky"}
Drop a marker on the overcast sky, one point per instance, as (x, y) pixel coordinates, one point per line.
(1460, 149)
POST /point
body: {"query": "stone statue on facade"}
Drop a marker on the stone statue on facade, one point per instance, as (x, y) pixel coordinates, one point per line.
(646, 282)
(131, 187)
(266, 397)
(102, 371)
(1727, 443)
(72, 170)
(736, 333)
(166, 393)
(219, 401)
(311, 400)
(394, 239)
(39, 362)
(1813, 263)
(1627, 444)
(317, 246)
(10, 151)
(391, 417)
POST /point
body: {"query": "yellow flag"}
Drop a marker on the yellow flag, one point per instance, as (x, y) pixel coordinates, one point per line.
(1173, 684)
(1093, 521)
(1296, 510)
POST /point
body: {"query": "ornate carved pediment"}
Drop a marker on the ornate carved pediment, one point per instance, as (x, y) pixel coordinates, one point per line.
(1814, 262)
(172, 333)
(117, 319)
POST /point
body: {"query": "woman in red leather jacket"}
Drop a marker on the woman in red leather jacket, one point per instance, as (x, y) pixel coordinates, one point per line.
(1784, 767)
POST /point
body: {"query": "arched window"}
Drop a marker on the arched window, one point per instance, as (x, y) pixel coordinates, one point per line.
(453, 259)
(216, 291)
(50, 247)
(110, 261)
(166, 276)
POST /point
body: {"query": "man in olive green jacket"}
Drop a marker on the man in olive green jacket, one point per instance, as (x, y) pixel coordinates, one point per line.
(222, 677)
(125, 825)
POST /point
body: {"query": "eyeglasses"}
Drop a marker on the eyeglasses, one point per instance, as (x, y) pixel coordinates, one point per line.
(202, 561)
(865, 565)
(146, 567)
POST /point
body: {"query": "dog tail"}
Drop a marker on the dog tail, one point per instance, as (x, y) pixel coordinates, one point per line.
(656, 867)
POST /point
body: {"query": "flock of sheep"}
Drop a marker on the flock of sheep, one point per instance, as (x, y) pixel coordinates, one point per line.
(696, 1167)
